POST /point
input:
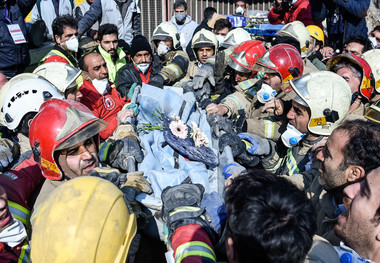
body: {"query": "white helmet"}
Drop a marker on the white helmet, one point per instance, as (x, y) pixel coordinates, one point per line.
(327, 95)
(26, 96)
(236, 37)
(167, 31)
(298, 31)
(11, 82)
(61, 75)
(373, 57)
(204, 38)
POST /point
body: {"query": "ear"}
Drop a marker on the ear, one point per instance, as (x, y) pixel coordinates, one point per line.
(355, 173)
(378, 235)
(230, 250)
(30, 122)
(57, 39)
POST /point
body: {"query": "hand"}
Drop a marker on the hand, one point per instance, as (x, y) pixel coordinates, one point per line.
(137, 181)
(204, 73)
(232, 140)
(217, 109)
(326, 52)
(127, 148)
(123, 115)
(6, 157)
(110, 174)
(131, 91)
(274, 106)
(133, 107)
(219, 123)
(256, 145)
(233, 169)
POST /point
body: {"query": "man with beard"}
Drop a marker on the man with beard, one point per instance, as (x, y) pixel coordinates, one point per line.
(359, 226)
(108, 47)
(350, 153)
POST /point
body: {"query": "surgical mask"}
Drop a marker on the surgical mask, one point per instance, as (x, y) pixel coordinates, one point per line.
(100, 85)
(72, 44)
(266, 93)
(162, 48)
(14, 234)
(373, 41)
(240, 10)
(143, 67)
(291, 136)
(220, 39)
(180, 17)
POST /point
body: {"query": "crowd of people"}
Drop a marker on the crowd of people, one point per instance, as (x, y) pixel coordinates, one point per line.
(296, 116)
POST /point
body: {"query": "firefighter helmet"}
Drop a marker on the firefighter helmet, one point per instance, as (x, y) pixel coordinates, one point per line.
(298, 31)
(246, 55)
(235, 37)
(373, 57)
(167, 31)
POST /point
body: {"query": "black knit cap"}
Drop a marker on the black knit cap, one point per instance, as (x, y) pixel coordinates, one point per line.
(140, 43)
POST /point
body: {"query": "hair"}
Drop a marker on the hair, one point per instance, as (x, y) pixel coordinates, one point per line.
(107, 29)
(245, 1)
(287, 40)
(60, 22)
(23, 126)
(81, 64)
(356, 70)
(268, 218)
(179, 3)
(208, 12)
(363, 146)
(360, 40)
(377, 28)
(222, 23)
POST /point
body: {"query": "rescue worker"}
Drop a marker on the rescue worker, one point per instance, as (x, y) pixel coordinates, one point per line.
(22, 102)
(174, 61)
(101, 96)
(298, 31)
(372, 57)
(358, 74)
(85, 233)
(49, 10)
(357, 45)
(108, 47)
(317, 42)
(315, 112)
(65, 33)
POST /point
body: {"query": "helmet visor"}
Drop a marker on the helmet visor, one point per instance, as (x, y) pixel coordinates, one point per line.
(300, 88)
(373, 112)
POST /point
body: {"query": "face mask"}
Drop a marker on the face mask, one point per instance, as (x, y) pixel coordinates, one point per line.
(72, 44)
(373, 41)
(14, 234)
(143, 67)
(100, 85)
(220, 39)
(162, 48)
(266, 93)
(291, 136)
(240, 10)
(180, 17)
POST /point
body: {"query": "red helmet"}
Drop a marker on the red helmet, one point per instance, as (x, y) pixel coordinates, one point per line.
(58, 125)
(246, 55)
(283, 59)
(368, 84)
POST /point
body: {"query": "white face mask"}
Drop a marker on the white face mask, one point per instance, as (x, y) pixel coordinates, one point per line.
(100, 85)
(162, 48)
(72, 44)
(266, 93)
(143, 67)
(220, 39)
(14, 234)
(373, 41)
(291, 136)
(240, 10)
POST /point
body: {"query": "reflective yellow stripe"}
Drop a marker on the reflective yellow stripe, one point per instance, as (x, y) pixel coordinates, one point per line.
(194, 248)
(113, 67)
(274, 169)
(215, 96)
(291, 163)
(19, 212)
(52, 53)
(237, 102)
(175, 69)
(25, 253)
(269, 129)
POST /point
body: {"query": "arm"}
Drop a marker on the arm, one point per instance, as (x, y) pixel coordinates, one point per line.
(136, 23)
(78, 13)
(90, 17)
(357, 8)
(26, 6)
(276, 15)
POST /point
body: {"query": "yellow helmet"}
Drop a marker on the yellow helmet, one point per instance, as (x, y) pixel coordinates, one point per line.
(316, 32)
(83, 220)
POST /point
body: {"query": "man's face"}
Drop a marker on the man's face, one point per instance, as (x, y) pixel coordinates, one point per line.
(241, 76)
(351, 79)
(273, 80)
(180, 10)
(73, 94)
(354, 48)
(97, 67)
(222, 32)
(240, 4)
(68, 32)
(5, 215)
(82, 158)
(299, 116)
(359, 227)
(142, 57)
(110, 43)
(376, 34)
(331, 157)
(204, 53)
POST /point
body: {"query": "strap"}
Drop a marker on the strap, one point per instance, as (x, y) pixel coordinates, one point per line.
(20, 212)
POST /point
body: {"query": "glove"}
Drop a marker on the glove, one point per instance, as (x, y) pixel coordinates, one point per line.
(157, 80)
(216, 210)
(6, 157)
(125, 130)
(131, 91)
(239, 121)
(110, 174)
(133, 107)
(206, 72)
(219, 123)
(137, 181)
(203, 93)
(188, 87)
(255, 144)
(233, 168)
(234, 141)
(130, 149)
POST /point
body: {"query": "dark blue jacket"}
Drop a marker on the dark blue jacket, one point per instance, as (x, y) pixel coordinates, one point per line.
(353, 13)
(12, 55)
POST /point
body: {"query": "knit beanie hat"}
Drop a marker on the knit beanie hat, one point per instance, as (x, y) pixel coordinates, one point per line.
(140, 43)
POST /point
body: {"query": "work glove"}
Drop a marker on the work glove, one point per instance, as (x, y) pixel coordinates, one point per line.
(130, 149)
(203, 93)
(110, 174)
(216, 210)
(133, 107)
(233, 168)
(131, 91)
(202, 74)
(188, 86)
(232, 140)
(9, 151)
(218, 123)
(255, 145)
